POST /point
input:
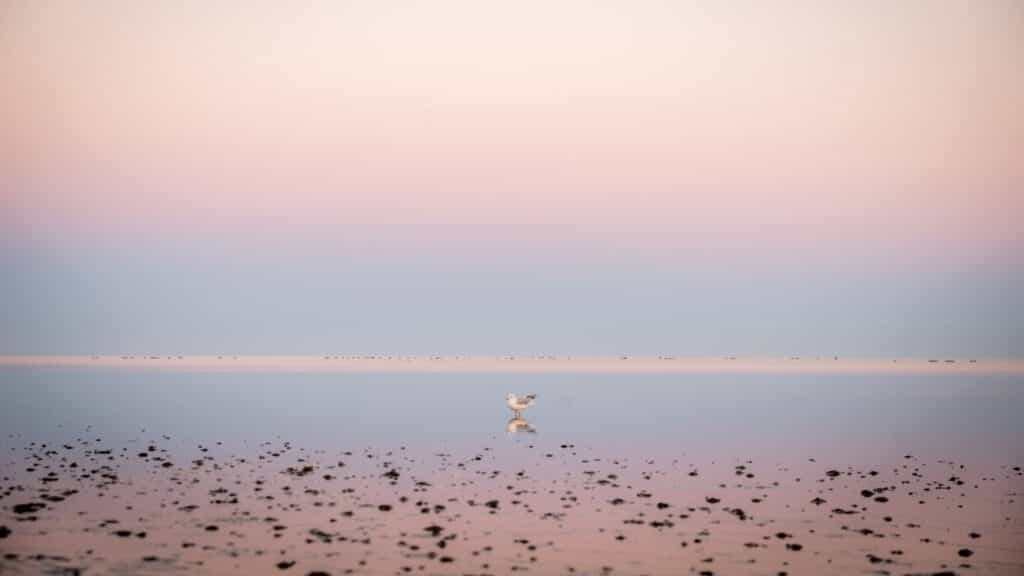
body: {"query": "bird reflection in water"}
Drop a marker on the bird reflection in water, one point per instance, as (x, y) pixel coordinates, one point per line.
(519, 425)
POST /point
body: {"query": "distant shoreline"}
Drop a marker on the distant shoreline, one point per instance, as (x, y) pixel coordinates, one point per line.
(534, 364)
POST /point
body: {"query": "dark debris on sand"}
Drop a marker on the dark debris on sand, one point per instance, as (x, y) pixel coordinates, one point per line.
(387, 511)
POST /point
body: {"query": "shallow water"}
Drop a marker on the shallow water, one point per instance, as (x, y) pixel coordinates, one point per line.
(940, 450)
(864, 416)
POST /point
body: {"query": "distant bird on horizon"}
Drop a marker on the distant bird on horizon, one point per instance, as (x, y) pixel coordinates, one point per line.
(519, 403)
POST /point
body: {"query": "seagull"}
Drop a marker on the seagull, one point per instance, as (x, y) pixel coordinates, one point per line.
(518, 404)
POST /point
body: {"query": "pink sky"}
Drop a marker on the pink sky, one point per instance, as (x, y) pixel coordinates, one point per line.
(867, 129)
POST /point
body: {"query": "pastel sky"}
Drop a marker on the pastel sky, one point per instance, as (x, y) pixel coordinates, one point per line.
(474, 176)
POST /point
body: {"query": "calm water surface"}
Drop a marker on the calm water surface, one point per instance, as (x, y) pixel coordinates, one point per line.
(865, 416)
(159, 471)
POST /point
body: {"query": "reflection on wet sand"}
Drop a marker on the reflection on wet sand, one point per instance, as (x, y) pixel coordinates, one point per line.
(230, 473)
(157, 505)
(519, 425)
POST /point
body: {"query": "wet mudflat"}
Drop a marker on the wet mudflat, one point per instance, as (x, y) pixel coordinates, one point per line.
(106, 473)
(154, 506)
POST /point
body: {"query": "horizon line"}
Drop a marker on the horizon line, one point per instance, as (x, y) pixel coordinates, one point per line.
(537, 363)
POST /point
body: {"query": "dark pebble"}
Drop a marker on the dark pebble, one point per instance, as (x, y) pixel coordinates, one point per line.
(28, 507)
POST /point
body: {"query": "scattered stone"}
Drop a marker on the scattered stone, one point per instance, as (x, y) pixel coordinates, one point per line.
(28, 508)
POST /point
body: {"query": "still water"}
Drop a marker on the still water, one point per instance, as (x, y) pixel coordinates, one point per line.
(156, 471)
(863, 416)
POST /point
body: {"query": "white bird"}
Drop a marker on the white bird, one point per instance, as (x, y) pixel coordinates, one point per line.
(519, 403)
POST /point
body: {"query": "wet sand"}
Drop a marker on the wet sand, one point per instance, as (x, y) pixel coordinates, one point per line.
(154, 505)
(226, 466)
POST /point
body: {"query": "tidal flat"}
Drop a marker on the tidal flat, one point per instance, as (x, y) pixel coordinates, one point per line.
(136, 470)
